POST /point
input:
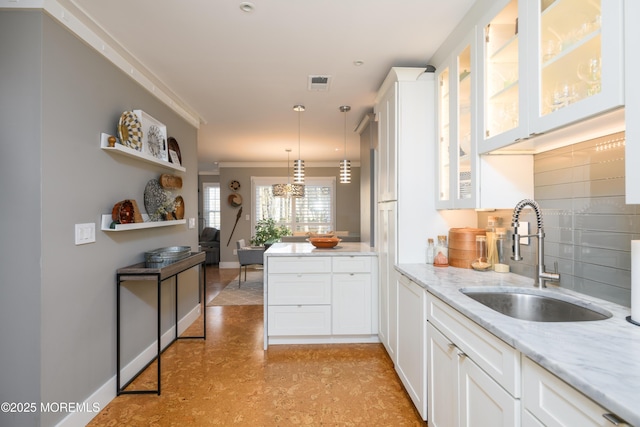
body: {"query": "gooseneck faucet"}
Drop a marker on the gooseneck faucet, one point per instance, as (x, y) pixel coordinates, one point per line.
(543, 276)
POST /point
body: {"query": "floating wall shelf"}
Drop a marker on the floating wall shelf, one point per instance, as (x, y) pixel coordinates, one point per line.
(107, 220)
(129, 152)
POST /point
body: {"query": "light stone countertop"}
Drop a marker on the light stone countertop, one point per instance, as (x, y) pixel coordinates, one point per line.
(599, 358)
(307, 249)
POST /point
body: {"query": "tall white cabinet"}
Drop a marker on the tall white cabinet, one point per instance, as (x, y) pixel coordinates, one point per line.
(405, 112)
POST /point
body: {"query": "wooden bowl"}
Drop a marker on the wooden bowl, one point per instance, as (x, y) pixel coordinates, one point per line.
(324, 242)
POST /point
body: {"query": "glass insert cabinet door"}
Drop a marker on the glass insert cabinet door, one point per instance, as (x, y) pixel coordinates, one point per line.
(444, 180)
(570, 52)
(463, 153)
(501, 81)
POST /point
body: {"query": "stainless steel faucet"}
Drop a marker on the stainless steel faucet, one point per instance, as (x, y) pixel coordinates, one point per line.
(543, 276)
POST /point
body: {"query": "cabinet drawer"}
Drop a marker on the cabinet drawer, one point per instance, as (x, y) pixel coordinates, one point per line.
(299, 320)
(301, 264)
(294, 289)
(494, 356)
(556, 403)
(352, 264)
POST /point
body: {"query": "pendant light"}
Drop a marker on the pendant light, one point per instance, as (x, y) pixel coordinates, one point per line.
(298, 165)
(345, 165)
(288, 189)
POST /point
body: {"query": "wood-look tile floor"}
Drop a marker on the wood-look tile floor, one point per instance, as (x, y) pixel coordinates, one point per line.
(230, 380)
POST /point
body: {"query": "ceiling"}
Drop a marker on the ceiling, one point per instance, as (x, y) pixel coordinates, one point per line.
(242, 72)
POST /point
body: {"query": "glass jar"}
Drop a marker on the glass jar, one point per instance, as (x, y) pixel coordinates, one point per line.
(441, 258)
(481, 249)
(501, 265)
(431, 249)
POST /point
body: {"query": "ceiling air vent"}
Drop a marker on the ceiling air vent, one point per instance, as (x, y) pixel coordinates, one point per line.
(319, 83)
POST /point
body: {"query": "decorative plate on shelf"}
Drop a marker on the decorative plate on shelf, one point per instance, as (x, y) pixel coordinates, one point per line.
(157, 201)
(179, 204)
(130, 130)
(173, 146)
(155, 142)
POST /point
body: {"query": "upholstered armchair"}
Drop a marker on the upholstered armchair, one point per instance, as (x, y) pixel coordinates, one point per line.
(210, 243)
(248, 256)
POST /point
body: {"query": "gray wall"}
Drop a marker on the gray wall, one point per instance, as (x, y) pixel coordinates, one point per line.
(347, 202)
(59, 298)
(21, 241)
(588, 226)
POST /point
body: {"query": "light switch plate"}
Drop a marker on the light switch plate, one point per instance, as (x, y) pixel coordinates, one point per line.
(85, 233)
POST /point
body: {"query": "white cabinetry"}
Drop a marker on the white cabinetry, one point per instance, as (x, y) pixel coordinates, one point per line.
(465, 179)
(545, 65)
(388, 286)
(553, 403)
(321, 299)
(351, 296)
(473, 377)
(411, 359)
(632, 102)
(404, 168)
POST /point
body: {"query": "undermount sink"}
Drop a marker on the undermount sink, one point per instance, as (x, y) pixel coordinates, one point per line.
(536, 306)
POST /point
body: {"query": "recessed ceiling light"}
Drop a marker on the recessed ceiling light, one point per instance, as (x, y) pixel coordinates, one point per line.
(358, 63)
(246, 7)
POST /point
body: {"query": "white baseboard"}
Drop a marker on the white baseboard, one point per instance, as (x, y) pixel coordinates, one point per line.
(230, 264)
(95, 403)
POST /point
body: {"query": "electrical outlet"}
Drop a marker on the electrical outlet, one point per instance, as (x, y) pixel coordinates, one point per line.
(192, 223)
(235, 252)
(247, 217)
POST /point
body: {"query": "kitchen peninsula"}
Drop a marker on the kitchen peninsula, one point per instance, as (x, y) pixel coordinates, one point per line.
(314, 296)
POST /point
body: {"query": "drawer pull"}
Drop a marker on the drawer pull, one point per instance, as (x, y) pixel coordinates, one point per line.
(613, 419)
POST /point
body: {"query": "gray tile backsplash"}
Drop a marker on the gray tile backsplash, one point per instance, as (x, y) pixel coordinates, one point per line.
(588, 226)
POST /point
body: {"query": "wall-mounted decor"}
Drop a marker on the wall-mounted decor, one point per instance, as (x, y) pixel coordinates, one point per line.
(174, 151)
(130, 130)
(154, 136)
(235, 200)
(234, 185)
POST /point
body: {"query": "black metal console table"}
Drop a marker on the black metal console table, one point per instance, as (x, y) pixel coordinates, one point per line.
(140, 273)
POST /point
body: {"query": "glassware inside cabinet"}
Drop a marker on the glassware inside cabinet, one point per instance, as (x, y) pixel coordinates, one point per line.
(570, 52)
(463, 153)
(444, 157)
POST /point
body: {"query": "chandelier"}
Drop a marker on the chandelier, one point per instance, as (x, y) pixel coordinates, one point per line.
(288, 189)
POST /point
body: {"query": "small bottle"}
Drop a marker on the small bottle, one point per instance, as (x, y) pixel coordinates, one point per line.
(492, 256)
(441, 258)
(501, 265)
(431, 249)
(481, 249)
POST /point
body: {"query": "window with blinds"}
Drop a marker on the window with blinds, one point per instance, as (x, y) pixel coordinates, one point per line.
(211, 204)
(314, 212)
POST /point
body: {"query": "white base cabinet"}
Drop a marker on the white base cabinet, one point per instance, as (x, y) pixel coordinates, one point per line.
(476, 379)
(321, 299)
(473, 377)
(411, 354)
(462, 394)
(554, 403)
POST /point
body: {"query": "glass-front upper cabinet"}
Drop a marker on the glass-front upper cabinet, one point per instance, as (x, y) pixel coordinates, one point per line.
(464, 152)
(578, 58)
(443, 193)
(456, 129)
(503, 76)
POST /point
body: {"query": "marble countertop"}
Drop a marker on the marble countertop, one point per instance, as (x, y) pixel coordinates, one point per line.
(307, 249)
(599, 358)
